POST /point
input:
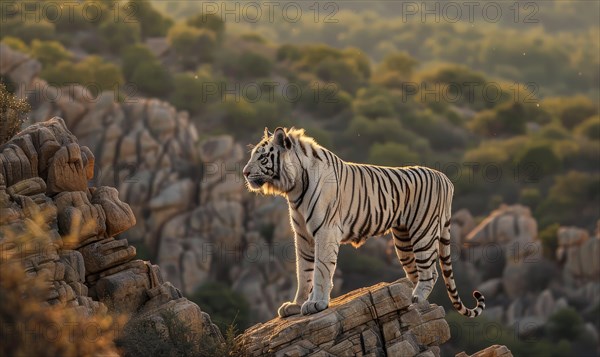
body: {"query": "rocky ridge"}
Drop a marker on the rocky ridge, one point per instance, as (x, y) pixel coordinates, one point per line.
(88, 267)
(187, 193)
(374, 321)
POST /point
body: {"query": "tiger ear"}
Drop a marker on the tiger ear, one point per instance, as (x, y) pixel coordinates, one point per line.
(281, 139)
(266, 133)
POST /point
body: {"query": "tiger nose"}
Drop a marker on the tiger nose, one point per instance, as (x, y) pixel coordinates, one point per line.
(246, 172)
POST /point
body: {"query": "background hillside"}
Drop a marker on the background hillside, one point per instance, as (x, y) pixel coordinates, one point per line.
(502, 97)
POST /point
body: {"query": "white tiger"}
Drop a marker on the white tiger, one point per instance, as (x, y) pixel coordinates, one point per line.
(332, 202)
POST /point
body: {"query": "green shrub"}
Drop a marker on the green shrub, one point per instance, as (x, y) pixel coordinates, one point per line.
(152, 78)
(194, 92)
(93, 72)
(15, 43)
(152, 22)
(250, 65)
(530, 196)
(590, 128)
(210, 22)
(373, 106)
(192, 45)
(120, 33)
(571, 111)
(549, 238)
(392, 154)
(134, 56)
(289, 53)
(325, 100)
(29, 30)
(506, 120)
(224, 305)
(536, 161)
(565, 323)
(571, 200)
(400, 62)
(49, 53)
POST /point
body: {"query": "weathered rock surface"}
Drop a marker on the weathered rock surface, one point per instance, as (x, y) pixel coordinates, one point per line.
(195, 217)
(44, 173)
(492, 351)
(374, 321)
(508, 230)
(580, 255)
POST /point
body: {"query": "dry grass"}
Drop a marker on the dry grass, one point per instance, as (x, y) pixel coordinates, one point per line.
(28, 325)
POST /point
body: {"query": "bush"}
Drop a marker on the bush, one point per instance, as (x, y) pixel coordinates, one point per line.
(565, 323)
(152, 22)
(363, 132)
(530, 197)
(153, 79)
(373, 106)
(210, 22)
(549, 238)
(456, 83)
(572, 200)
(120, 33)
(134, 56)
(249, 65)
(325, 100)
(347, 69)
(192, 45)
(15, 44)
(224, 305)
(506, 120)
(242, 116)
(93, 72)
(392, 154)
(590, 128)
(400, 62)
(49, 53)
(29, 30)
(536, 161)
(571, 111)
(289, 53)
(12, 114)
(194, 92)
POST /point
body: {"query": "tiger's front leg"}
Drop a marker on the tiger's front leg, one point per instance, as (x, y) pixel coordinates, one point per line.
(326, 255)
(305, 258)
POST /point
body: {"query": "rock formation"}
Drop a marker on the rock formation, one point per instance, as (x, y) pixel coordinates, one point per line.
(508, 230)
(375, 321)
(44, 171)
(195, 218)
(580, 255)
(492, 351)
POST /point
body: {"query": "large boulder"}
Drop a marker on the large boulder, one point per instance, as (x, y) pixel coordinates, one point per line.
(377, 321)
(579, 253)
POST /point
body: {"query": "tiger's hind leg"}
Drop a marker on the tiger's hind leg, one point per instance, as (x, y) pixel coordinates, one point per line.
(425, 247)
(404, 251)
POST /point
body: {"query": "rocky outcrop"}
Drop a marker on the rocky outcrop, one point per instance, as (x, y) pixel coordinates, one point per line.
(492, 351)
(44, 173)
(195, 218)
(508, 230)
(580, 254)
(374, 321)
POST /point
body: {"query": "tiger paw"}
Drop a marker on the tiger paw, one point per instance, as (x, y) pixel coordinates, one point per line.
(420, 302)
(312, 307)
(288, 309)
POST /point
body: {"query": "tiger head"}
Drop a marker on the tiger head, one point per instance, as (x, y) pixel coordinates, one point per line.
(271, 168)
